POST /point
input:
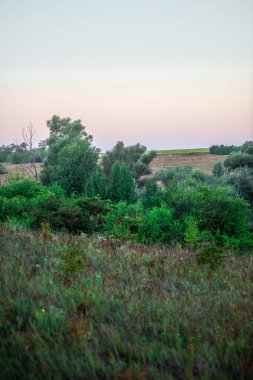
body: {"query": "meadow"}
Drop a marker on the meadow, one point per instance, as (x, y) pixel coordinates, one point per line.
(79, 307)
(108, 274)
(182, 151)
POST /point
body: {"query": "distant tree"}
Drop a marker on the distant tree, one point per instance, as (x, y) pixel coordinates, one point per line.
(134, 156)
(75, 165)
(223, 149)
(122, 184)
(247, 147)
(64, 132)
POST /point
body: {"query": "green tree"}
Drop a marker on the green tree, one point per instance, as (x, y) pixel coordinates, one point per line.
(63, 133)
(76, 163)
(122, 184)
(134, 156)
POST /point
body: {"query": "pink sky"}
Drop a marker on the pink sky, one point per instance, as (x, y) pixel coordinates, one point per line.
(161, 109)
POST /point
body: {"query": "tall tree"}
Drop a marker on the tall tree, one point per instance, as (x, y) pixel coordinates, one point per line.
(63, 132)
(70, 157)
(122, 183)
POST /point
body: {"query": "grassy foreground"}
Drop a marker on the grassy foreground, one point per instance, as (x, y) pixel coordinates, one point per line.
(80, 308)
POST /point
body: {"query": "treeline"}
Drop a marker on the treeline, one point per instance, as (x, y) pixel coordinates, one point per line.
(20, 153)
(227, 149)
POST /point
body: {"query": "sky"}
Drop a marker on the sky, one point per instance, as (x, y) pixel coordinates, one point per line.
(165, 73)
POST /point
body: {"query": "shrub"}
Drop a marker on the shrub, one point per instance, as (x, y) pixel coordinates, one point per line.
(178, 173)
(122, 184)
(212, 254)
(213, 207)
(21, 188)
(151, 195)
(159, 226)
(238, 160)
(241, 180)
(94, 211)
(223, 149)
(2, 169)
(124, 220)
(218, 169)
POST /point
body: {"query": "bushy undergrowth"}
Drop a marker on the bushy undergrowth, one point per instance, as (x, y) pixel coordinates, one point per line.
(84, 308)
(188, 211)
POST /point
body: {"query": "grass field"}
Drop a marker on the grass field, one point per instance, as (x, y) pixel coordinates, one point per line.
(182, 151)
(204, 162)
(85, 308)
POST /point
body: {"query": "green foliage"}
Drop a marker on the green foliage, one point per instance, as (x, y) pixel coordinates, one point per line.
(65, 132)
(2, 209)
(212, 254)
(76, 163)
(241, 179)
(191, 232)
(72, 260)
(223, 149)
(238, 160)
(21, 188)
(218, 169)
(151, 195)
(122, 184)
(213, 208)
(178, 173)
(94, 211)
(247, 147)
(159, 226)
(96, 184)
(134, 156)
(124, 221)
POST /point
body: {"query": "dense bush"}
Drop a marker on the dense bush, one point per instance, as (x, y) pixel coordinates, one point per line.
(214, 209)
(218, 169)
(76, 163)
(223, 149)
(21, 188)
(122, 184)
(159, 226)
(67, 141)
(135, 156)
(238, 160)
(241, 180)
(189, 211)
(151, 195)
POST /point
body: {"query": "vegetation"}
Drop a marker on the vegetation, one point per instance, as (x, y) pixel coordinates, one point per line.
(135, 156)
(223, 149)
(2, 169)
(107, 276)
(181, 151)
(61, 159)
(227, 149)
(79, 308)
(20, 153)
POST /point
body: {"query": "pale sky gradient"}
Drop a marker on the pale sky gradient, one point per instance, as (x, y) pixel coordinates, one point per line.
(163, 73)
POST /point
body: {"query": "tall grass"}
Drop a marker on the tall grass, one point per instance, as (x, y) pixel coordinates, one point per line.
(85, 308)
